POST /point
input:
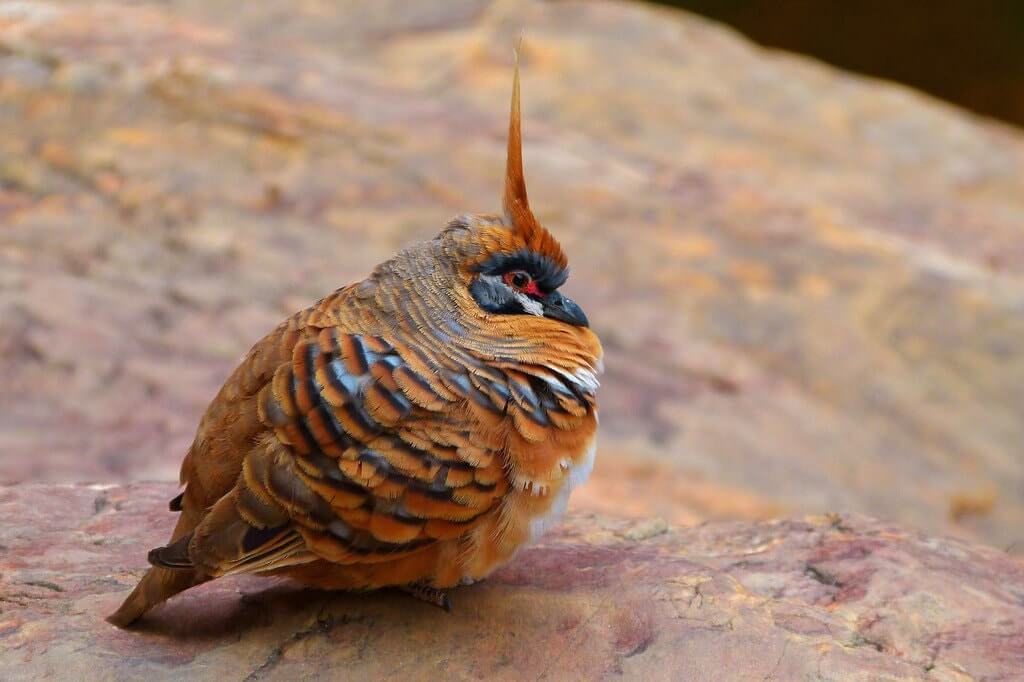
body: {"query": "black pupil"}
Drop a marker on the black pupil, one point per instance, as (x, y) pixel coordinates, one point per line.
(520, 279)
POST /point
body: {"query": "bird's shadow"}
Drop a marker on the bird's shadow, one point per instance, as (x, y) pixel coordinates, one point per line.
(221, 611)
(232, 609)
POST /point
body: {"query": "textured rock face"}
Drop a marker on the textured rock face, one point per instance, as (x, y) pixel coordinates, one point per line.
(808, 285)
(825, 598)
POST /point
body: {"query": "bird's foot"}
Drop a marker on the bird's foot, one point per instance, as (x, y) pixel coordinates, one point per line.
(429, 594)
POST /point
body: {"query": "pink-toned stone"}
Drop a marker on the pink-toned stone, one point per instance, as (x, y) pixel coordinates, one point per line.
(827, 598)
(808, 283)
(808, 286)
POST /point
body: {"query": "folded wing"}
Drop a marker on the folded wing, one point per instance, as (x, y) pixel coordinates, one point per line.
(365, 454)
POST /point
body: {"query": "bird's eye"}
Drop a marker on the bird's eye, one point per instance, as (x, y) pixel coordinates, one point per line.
(518, 279)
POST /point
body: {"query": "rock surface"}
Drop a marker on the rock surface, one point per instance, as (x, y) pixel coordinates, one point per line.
(824, 598)
(809, 285)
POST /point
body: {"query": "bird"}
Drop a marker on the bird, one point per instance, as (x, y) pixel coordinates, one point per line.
(412, 430)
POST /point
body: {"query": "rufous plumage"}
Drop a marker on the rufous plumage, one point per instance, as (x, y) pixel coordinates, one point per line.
(413, 429)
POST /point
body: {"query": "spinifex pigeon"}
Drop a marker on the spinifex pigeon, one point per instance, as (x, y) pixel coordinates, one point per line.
(413, 429)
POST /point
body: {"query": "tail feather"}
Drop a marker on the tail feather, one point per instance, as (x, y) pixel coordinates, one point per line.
(158, 585)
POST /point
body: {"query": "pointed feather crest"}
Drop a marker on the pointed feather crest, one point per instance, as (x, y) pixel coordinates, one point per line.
(516, 204)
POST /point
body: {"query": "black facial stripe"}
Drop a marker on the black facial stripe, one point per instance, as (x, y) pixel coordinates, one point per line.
(495, 297)
(544, 271)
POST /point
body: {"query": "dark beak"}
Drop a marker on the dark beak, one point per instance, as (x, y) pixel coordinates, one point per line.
(564, 309)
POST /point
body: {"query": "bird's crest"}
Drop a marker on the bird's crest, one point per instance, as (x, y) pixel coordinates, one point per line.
(516, 205)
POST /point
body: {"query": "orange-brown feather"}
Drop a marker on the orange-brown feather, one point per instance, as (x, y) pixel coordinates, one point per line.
(394, 431)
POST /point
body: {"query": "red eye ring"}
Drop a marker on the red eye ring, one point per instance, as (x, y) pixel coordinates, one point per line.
(521, 280)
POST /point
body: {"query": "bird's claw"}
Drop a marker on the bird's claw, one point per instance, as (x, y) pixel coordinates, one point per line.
(429, 594)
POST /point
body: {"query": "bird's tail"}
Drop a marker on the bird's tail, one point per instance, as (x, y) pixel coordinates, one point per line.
(158, 585)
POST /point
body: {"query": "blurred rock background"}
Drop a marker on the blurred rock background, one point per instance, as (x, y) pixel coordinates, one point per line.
(808, 283)
(966, 51)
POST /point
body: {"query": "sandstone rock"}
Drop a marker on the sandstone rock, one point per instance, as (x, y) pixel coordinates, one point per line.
(824, 598)
(808, 283)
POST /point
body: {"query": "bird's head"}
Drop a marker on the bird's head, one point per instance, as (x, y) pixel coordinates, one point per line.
(511, 264)
(491, 282)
